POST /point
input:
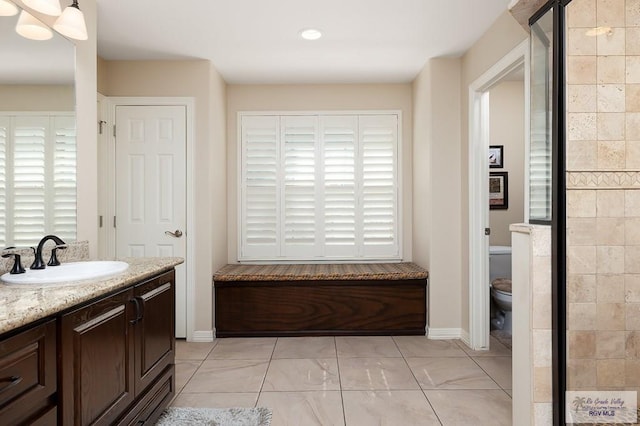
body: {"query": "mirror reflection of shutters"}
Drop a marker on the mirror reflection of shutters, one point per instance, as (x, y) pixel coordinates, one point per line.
(29, 174)
(37, 178)
(63, 179)
(4, 140)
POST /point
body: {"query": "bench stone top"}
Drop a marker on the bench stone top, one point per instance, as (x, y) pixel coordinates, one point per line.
(321, 272)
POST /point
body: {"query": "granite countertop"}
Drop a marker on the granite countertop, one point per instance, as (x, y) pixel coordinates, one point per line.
(24, 304)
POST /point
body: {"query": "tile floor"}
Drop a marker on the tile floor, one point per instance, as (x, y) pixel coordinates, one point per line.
(408, 380)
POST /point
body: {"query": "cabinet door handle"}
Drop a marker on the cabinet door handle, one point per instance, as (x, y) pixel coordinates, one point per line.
(11, 382)
(139, 302)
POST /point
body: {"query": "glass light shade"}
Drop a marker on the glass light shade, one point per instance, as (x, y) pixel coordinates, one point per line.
(48, 7)
(71, 24)
(31, 28)
(7, 8)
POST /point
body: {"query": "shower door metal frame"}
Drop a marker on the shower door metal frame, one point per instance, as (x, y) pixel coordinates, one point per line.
(558, 209)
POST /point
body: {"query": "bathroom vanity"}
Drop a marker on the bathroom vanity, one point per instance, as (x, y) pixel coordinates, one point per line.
(96, 352)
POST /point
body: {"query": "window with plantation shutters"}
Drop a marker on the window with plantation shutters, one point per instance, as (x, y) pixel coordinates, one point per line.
(319, 187)
(5, 129)
(37, 178)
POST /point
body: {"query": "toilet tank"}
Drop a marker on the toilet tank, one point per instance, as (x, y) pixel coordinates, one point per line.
(499, 262)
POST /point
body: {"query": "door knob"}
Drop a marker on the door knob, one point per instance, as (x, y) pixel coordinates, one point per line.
(177, 233)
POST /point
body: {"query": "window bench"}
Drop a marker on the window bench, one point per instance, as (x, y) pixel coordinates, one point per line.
(320, 299)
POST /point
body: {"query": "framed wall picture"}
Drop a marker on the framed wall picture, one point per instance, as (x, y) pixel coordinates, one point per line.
(496, 156)
(498, 190)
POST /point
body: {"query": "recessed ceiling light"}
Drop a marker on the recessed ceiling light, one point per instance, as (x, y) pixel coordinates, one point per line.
(311, 34)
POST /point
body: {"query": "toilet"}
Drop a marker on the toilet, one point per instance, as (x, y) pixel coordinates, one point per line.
(500, 279)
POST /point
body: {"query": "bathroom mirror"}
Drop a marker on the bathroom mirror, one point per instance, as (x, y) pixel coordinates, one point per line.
(37, 137)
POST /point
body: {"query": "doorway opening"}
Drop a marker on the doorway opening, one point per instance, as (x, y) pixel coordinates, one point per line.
(479, 218)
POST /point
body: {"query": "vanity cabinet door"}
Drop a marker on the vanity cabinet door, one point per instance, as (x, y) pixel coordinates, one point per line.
(28, 376)
(97, 365)
(154, 328)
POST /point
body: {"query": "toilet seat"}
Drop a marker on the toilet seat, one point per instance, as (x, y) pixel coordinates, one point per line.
(502, 285)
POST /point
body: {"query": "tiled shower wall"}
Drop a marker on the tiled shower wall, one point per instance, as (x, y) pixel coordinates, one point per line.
(603, 194)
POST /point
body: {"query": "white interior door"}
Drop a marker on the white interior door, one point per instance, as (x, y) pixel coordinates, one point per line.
(150, 189)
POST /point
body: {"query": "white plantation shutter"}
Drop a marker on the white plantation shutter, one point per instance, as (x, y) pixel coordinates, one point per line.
(541, 121)
(29, 194)
(63, 181)
(260, 194)
(317, 187)
(37, 178)
(298, 164)
(5, 129)
(339, 137)
(378, 136)
(540, 169)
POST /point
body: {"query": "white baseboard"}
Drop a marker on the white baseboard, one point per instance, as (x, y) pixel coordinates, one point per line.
(465, 337)
(445, 333)
(202, 336)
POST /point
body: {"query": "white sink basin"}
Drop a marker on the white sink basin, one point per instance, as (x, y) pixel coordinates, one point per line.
(66, 272)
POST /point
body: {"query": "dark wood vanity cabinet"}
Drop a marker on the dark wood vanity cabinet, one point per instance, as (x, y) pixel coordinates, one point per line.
(117, 354)
(28, 376)
(96, 366)
(155, 341)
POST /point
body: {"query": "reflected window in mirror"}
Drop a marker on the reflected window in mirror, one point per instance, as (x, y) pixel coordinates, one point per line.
(37, 178)
(37, 138)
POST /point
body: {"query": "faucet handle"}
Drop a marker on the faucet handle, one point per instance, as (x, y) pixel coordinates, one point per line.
(53, 261)
(37, 261)
(17, 264)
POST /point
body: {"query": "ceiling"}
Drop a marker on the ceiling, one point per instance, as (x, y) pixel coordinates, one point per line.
(257, 41)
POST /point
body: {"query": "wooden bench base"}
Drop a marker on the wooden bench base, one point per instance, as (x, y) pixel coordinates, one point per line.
(316, 308)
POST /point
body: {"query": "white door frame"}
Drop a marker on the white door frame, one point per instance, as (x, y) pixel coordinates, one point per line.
(479, 293)
(109, 193)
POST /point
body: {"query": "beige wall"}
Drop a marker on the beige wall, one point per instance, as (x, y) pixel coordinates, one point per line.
(199, 80)
(86, 130)
(441, 218)
(101, 79)
(218, 168)
(422, 141)
(436, 194)
(317, 98)
(37, 98)
(503, 36)
(506, 128)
